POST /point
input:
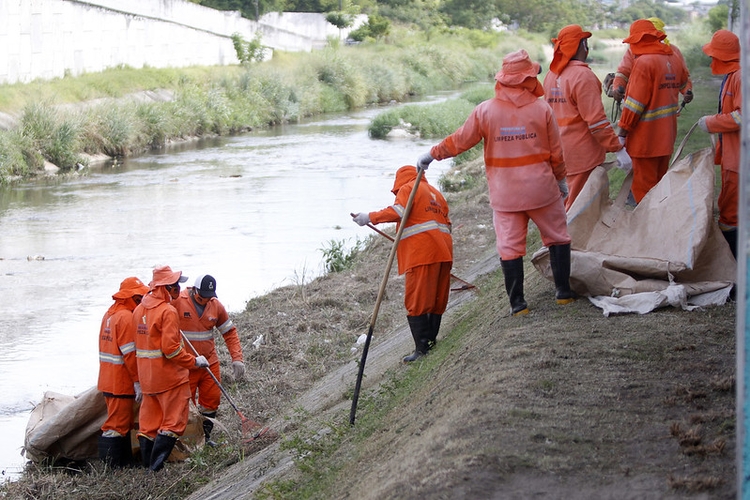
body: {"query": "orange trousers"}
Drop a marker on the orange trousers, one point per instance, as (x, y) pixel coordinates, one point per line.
(426, 288)
(647, 172)
(120, 415)
(575, 186)
(209, 394)
(511, 228)
(729, 199)
(165, 412)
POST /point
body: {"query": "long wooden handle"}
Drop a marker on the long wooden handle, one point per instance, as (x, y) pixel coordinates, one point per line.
(381, 293)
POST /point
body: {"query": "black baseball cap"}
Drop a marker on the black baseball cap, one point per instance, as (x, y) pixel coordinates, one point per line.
(205, 285)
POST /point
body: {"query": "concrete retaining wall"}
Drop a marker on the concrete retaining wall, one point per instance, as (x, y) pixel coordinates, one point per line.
(53, 38)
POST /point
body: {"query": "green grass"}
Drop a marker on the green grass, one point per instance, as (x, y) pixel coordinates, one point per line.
(229, 99)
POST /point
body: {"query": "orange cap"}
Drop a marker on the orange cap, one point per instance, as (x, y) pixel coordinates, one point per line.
(643, 28)
(724, 45)
(517, 67)
(129, 287)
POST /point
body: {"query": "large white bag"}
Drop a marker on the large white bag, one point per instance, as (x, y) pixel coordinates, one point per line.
(669, 250)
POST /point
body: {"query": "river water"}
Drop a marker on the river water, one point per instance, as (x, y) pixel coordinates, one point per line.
(254, 211)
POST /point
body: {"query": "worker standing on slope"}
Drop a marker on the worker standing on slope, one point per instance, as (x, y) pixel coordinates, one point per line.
(163, 368)
(525, 170)
(200, 312)
(724, 50)
(574, 93)
(622, 76)
(648, 125)
(425, 255)
(118, 373)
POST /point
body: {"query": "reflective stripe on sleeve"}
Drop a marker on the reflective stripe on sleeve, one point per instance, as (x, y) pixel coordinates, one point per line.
(113, 359)
(225, 327)
(148, 354)
(634, 106)
(127, 348)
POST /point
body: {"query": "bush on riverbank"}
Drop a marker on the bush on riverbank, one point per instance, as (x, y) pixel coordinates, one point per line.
(192, 103)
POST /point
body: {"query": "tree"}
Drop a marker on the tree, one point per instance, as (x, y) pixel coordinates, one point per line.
(717, 17)
(469, 13)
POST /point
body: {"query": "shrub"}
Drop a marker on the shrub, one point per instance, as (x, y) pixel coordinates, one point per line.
(337, 258)
(53, 136)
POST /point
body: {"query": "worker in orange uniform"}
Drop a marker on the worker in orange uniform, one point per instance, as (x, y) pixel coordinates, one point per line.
(648, 125)
(200, 312)
(163, 367)
(523, 161)
(724, 50)
(425, 254)
(622, 76)
(574, 93)
(118, 373)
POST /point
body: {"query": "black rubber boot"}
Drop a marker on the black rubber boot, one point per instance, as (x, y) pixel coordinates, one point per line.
(208, 426)
(559, 261)
(434, 322)
(731, 237)
(420, 331)
(110, 449)
(163, 445)
(513, 274)
(147, 446)
(126, 451)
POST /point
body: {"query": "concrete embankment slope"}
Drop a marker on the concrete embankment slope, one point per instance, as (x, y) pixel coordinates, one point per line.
(48, 39)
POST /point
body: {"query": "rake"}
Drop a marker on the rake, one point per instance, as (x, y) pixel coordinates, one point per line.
(251, 430)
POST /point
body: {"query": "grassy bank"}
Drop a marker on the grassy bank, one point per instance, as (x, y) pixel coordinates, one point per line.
(54, 125)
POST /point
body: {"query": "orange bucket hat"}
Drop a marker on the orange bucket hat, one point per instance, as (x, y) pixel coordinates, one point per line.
(724, 45)
(165, 276)
(566, 45)
(129, 287)
(517, 67)
(643, 28)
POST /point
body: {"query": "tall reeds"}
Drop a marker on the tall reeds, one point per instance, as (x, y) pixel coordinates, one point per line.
(231, 100)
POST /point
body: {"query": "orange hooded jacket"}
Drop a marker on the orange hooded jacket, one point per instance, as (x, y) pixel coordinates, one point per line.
(649, 114)
(622, 76)
(426, 238)
(199, 329)
(163, 362)
(117, 363)
(585, 131)
(728, 122)
(521, 147)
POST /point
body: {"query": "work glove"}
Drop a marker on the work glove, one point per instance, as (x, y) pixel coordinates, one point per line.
(621, 139)
(624, 162)
(201, 362)
(138, 392)
(618, 93)
(424, 161)
(702, 124)
(239, 370)
(362, 218)
(563, 185)
(688, 97)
